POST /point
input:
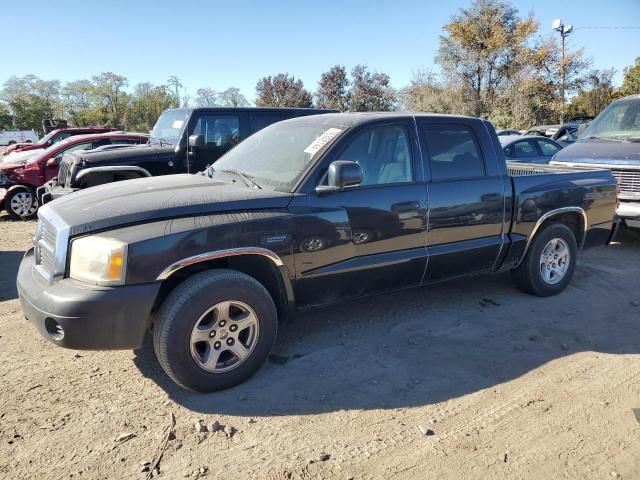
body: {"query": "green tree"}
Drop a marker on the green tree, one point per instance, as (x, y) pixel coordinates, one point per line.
(595, 93)
(482, 48)
(6, 119)
(147, 102)
(175, 85)
(631, 80)
(371, 92)
(109, 87)
(282, 90)
(30, 100)
(333, 89)
(81, 104)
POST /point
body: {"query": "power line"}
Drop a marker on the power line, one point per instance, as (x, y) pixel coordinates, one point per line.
(615, 27)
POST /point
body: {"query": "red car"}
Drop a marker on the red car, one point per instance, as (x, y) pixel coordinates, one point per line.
(23, 172)
(54, 137)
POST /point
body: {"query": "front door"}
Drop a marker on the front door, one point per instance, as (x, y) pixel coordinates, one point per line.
(367, 238)
(220, 132)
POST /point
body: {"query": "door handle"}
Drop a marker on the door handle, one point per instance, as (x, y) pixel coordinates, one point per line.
(405, 207)
(491, 197)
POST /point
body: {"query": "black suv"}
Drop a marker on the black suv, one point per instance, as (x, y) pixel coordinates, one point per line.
(183, 140)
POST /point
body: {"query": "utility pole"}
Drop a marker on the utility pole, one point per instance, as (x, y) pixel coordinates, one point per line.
(564, 31)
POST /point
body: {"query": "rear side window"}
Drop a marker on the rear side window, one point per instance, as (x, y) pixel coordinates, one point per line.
(262, 120)
(454, 152)
(548, 148)
(524, 149)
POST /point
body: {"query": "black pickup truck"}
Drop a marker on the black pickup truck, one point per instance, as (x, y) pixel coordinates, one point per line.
(183, 140)
(304, 213)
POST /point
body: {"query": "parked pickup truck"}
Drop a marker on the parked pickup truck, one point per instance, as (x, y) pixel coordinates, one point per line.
(612, 141)
(182, 141)
(304, 213)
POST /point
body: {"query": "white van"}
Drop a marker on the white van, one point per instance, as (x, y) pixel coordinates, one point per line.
(9, 137)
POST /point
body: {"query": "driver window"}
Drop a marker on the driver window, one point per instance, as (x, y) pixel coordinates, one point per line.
(383, 153)
(218, 130)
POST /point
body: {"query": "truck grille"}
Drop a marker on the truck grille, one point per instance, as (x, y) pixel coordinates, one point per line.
(628, 180)
(50, 244)
(63, 172)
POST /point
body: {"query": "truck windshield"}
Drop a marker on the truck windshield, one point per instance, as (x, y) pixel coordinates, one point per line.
(277, 156)
(47, 137)
(168, 128)
(620, 120)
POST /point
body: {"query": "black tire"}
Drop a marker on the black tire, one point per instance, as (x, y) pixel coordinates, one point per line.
(17, 215)
(182, 309)
(528, 276)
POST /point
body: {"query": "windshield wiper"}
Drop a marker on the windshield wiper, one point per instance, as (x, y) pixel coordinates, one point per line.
(247, 179)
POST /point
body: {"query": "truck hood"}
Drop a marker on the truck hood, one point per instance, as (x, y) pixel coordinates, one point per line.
(158, 198)
(600, 151)
(124, 155)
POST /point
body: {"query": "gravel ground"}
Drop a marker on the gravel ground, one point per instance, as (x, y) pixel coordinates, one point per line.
(468, 379)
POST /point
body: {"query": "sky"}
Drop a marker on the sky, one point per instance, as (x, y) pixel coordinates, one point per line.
(220, 44)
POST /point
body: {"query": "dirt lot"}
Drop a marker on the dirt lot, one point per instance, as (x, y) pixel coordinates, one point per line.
(505, 385)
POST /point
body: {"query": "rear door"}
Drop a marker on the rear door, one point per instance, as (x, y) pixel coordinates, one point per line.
(466, 197)
(260, 120)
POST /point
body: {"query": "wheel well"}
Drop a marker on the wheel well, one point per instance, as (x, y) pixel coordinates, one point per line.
(573, 220)
(256, 266)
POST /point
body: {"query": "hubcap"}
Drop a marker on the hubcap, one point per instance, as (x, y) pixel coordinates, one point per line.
(224, 336)
(23, 204)
(554, 261)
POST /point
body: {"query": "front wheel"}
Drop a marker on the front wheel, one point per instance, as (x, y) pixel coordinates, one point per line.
(21, 203)
(548, 266)
(215, 330)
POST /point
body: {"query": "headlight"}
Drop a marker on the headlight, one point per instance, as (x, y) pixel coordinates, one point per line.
(98, 260)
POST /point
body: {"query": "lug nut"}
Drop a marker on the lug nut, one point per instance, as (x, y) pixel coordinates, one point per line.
(222, 323)
(212, 333)
(233, 328)
(217, 345)
(230, 341)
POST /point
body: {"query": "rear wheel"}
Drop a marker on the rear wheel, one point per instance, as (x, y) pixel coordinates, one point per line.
(215, 330)
(549, 263)
(21, 203)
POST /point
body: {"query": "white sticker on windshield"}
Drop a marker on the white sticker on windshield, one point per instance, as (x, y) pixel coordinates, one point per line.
(322, 140)
(177, 124)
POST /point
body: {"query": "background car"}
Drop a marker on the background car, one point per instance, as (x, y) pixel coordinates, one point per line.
(29, 170)
(529, 149)
(54, 137)
(541, 130)
(504, 133)
(566, 134)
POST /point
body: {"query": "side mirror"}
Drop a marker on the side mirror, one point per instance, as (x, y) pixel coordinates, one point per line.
(341, 173)
(52, 162)
(196, 141)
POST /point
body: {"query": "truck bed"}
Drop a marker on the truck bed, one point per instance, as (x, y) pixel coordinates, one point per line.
(588, 194)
